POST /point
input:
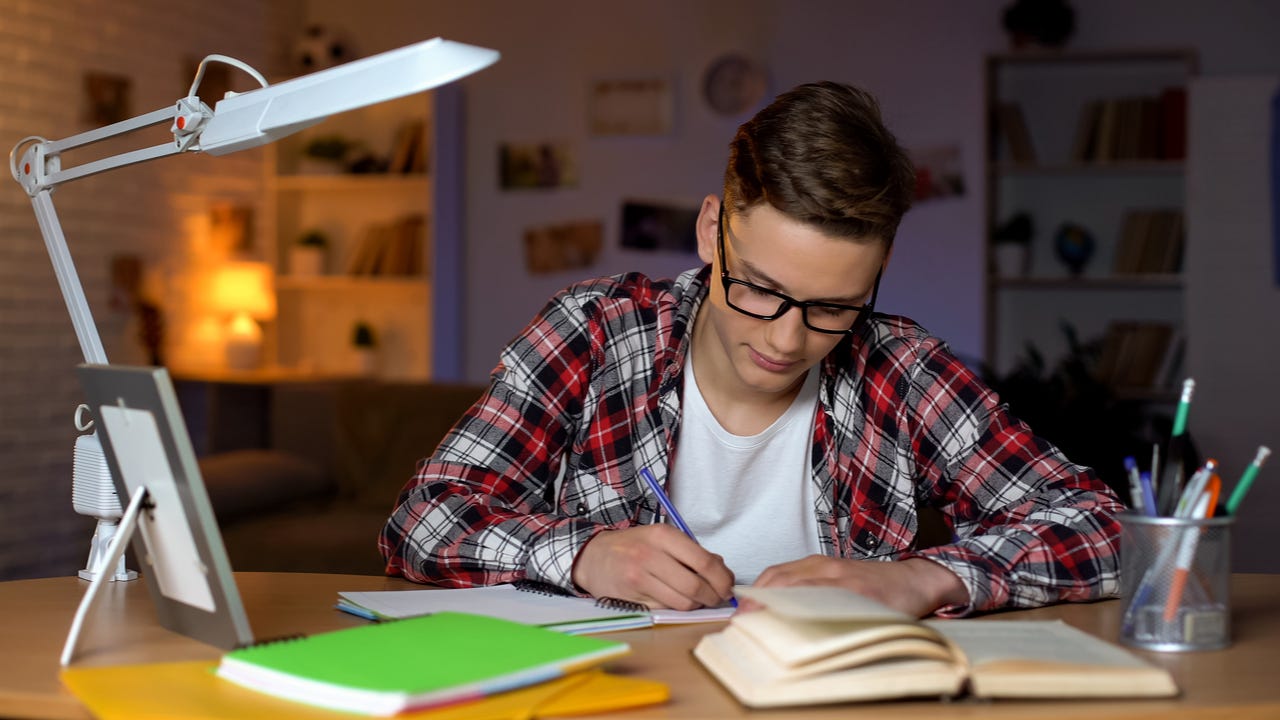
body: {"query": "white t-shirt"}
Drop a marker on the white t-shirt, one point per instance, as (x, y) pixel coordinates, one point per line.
(748, 499)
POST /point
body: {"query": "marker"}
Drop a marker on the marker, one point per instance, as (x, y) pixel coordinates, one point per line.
(1195, 488)
(670, 509)
(1246, 480)
(1184, 407)
(1182, 564)
(1171, 479)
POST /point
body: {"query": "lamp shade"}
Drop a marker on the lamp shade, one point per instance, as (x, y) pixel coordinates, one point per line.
(244, 288)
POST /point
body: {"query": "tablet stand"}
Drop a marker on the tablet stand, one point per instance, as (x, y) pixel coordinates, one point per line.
(115, 551)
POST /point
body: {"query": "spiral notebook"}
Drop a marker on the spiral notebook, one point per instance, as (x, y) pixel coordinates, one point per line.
(525, 602)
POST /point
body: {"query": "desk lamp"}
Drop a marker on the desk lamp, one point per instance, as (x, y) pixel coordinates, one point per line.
(244, 292)
(239, 121)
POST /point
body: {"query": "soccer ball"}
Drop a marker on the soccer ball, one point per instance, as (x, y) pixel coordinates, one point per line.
(320, 47)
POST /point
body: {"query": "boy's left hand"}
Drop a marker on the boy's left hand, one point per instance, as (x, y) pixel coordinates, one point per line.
(915, 586)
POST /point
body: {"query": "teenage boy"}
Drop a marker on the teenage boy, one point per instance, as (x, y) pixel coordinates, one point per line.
(798, 431)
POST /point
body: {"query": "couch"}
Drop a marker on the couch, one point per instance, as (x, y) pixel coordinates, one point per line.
(315, 495)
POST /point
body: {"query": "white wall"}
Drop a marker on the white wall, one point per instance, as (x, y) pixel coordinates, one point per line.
(922, 58)
(924, 61)
(151, 210)
(1233, 296)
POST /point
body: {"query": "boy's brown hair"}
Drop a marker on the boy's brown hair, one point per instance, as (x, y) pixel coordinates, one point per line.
(820, 154)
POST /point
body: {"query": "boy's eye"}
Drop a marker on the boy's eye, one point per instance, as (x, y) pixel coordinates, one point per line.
(833, 312)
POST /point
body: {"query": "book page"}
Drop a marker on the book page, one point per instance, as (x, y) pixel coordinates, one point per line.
(1047, 659)
(756, 680)
(795, 642)
(1047, 641)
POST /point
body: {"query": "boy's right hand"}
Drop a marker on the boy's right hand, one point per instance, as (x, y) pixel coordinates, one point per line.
(656, 565)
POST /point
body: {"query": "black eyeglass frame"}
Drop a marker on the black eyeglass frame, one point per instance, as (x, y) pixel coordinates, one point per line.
(863, 311)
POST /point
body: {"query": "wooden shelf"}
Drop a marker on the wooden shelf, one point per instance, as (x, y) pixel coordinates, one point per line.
(351, 282)
(1153, 281)
(1050, 55)
(339, 182)
(1105, 169)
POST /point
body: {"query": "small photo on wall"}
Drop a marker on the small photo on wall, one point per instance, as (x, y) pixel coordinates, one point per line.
(107, 98)
(939, 173)
(630, 107)
(565, 246)
(652, 226)
(536, 165)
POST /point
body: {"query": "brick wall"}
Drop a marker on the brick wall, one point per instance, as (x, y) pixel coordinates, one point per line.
(155, 211)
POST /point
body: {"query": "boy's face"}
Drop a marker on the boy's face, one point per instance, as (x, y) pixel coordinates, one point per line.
(765, 248)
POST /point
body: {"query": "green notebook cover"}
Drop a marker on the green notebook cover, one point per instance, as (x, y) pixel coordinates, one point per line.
(390, 667)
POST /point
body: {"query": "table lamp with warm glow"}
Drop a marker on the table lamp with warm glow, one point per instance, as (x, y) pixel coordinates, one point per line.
(244, 292)
(238, 121)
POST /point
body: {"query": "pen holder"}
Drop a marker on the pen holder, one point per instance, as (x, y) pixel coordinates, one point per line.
(1175, 579)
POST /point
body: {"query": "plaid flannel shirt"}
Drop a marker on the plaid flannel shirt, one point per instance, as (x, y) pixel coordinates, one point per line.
(590, 392)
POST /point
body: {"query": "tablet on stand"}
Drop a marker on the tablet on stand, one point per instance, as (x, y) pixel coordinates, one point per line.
(168, 514)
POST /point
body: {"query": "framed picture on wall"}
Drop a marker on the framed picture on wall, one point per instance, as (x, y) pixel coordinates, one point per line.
(108, 98)
(536, 165)
(656, 226)
(629, 107)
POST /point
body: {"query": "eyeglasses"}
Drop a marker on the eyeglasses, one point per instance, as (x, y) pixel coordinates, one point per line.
(766, 304)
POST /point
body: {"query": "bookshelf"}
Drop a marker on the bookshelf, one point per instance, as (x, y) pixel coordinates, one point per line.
(1096, 141)
(379, 212)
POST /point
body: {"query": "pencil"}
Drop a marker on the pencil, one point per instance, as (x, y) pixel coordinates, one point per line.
(1246, 480)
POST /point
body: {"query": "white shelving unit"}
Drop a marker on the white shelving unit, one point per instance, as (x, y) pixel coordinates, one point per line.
(317, 314)
(1059, 184)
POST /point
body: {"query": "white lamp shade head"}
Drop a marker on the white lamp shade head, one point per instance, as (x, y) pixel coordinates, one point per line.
(267, 114)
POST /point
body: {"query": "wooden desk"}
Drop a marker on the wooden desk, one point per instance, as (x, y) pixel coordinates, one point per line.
(34, 616)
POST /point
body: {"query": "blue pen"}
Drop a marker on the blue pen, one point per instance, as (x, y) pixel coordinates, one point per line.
(670, 510)
(1136, 498)
(667, 507)
(1148, 495)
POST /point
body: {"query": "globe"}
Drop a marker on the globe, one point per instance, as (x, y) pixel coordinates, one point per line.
(1074, 246)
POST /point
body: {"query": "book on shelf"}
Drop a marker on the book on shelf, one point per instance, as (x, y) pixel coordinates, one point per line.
(813, 645)
(408, 151)
(394, 248)
(1173, 123)
(1133, 353)
(1012, 126)
(389, 668)
(526, 602)
(1150, 241)
(1132, 128)
(1086, 140)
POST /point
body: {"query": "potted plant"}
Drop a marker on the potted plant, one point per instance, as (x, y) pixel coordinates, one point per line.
(365, 342)
(306, 257)
(325, 154)
(1012, 246)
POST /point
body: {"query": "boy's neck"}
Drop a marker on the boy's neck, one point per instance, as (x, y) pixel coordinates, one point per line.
(739, 410)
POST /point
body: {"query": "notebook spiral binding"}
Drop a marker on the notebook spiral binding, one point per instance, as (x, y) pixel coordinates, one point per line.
(539, 588)
(625, 605)
(271, 641)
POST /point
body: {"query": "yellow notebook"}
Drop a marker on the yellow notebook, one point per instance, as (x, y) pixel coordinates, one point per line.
(191, 691)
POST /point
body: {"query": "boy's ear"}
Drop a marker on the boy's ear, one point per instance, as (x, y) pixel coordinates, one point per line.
(707, 227)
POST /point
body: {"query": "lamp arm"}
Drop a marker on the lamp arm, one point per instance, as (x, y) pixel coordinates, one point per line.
(68, 280)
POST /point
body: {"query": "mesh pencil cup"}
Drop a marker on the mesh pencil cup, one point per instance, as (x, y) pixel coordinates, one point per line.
(1175, 578)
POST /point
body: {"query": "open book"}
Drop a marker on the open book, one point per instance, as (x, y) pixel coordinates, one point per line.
(525, 602)
(815, 645)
